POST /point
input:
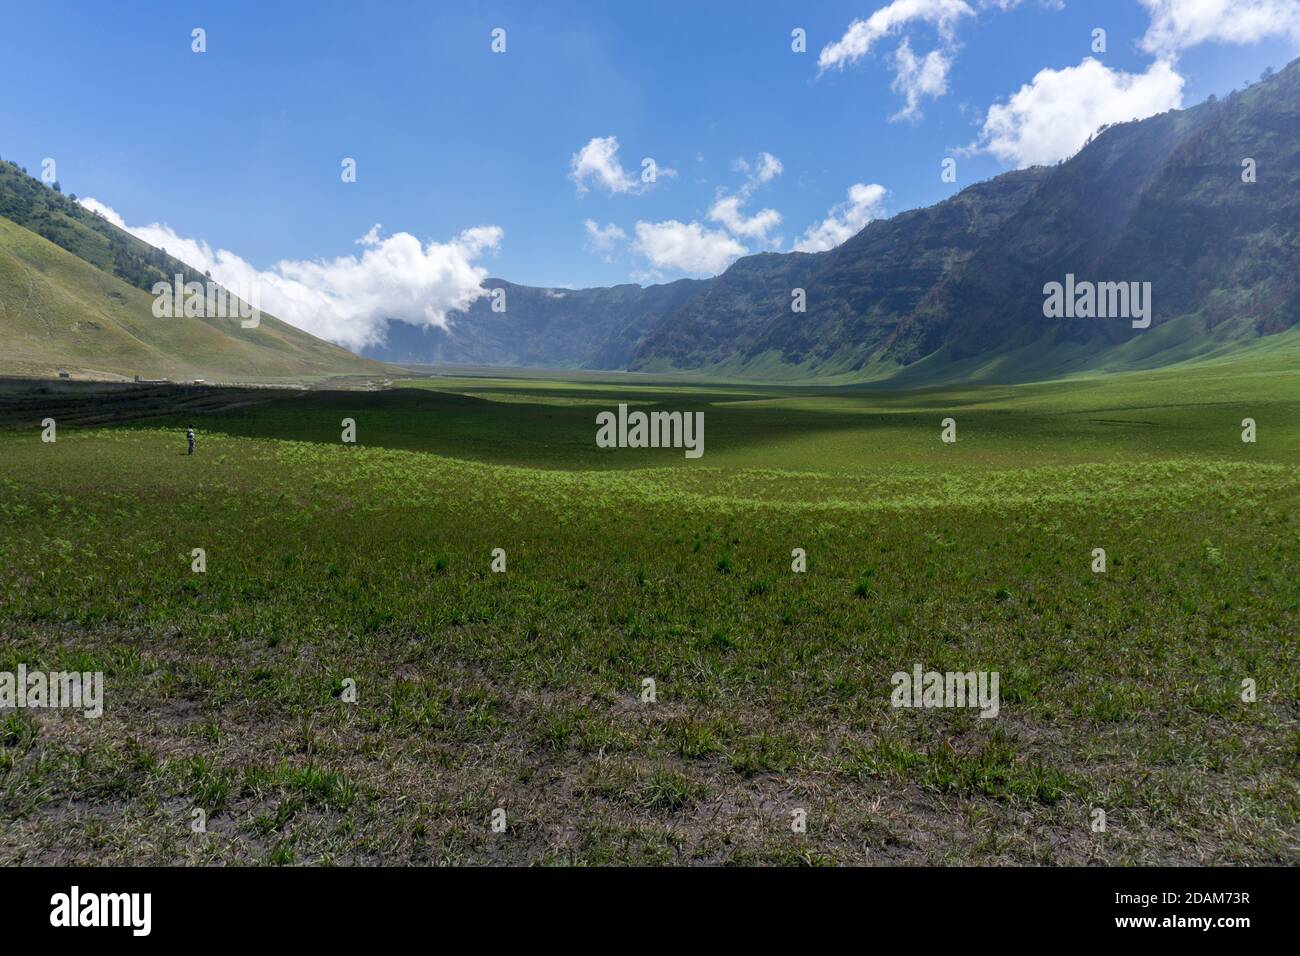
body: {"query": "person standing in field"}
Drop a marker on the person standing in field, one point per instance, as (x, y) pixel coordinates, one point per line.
(189, 437)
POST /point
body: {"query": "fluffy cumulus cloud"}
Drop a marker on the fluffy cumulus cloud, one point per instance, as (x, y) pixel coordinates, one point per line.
(686, 247)
(597, 164)
(348, 299)
(862, 35)
(1179, 24)
(1051, 117)
(726, 210)
(865, 203)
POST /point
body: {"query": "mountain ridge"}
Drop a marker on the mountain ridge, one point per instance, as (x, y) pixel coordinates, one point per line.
(955, 290)
(946, 293)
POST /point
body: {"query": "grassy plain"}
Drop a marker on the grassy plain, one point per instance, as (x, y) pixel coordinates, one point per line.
(477, 690)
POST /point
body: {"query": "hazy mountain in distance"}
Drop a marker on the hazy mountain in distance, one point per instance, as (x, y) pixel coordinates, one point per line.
(542, 328)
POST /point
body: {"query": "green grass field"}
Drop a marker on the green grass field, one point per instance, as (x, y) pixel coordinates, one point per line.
(327, 564)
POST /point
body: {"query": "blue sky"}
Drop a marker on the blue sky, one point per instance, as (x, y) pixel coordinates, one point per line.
(240, 147)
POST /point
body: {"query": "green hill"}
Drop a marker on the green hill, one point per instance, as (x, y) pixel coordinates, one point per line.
(73, 297)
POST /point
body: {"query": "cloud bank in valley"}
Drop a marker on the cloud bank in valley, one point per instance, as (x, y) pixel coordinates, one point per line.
(348, 299)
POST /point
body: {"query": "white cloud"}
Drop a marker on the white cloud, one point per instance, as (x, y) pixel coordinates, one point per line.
(846, 219)
(726, 210)
(1051, 117)
(861, 35)
(1179, 24)
(693, 247)
(108, 212)
(603, 238)
(762, 170)
(686, 247)
(598, 163)
(917, 78)
(347, 299)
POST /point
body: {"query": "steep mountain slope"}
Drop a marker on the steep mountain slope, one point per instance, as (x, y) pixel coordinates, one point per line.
(867, 284)
(955, 291)
(1160, 200)
(856, 294)
(952, 292)
(73, 297)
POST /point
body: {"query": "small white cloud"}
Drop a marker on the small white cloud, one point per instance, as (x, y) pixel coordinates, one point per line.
(726, 210)
(861, 35)
(762, 170)
(1177, 25)
(603, 238)
(349, 299)
(865, 203)
(598, 163)
(915, 78)
(1051, 117)
(686, 247)
(693, 247)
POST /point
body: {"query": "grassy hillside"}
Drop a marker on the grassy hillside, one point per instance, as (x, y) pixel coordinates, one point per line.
(47, 212)
(57, 311)
(522, 690)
